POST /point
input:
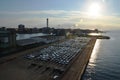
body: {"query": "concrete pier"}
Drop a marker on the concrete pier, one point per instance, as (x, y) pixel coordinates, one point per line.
(17, 67)
(76, 70)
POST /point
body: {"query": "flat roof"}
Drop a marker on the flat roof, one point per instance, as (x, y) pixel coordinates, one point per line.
(4, 32)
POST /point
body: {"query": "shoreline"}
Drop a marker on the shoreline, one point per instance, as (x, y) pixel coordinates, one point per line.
(87, 62)
(76, 71)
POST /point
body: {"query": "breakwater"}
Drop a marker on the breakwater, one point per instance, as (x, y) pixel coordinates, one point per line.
(76, 70)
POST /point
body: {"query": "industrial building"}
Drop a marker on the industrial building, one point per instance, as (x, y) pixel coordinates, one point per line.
(7, 39)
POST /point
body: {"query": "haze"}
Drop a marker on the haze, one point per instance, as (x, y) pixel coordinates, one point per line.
(62, 13)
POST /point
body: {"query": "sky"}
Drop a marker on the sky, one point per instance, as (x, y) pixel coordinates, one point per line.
(61, 13)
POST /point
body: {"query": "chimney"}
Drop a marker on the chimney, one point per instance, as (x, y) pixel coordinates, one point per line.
(47, 22)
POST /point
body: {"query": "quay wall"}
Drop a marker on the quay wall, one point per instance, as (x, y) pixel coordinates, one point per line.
(78, 67)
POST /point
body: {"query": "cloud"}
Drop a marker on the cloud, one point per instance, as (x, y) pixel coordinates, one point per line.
(105, 22)
(49, 12)
(57, 17)
(33, 12)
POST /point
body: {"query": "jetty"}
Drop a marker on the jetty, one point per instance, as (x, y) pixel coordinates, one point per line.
(76, 70)
(67, 61)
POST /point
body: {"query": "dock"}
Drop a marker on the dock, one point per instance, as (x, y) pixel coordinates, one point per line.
(28, 66)
(76, 70)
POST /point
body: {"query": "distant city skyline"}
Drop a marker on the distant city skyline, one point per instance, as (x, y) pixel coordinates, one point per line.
(61, 13)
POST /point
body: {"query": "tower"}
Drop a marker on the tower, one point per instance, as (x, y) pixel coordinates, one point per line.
(47, 22)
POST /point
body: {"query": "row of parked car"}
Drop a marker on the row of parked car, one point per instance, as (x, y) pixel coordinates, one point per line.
(61, 53)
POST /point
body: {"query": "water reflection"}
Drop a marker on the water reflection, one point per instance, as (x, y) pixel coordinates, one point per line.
(92, 63)
(95, 34)
(94, 54)
(26, 36)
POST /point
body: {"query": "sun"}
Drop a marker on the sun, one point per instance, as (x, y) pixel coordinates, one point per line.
(94, 10)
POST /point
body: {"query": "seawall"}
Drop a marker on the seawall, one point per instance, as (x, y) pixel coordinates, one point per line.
(78, 67)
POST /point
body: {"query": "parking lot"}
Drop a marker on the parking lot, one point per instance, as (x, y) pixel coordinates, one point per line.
(61, 53)
(48, 63)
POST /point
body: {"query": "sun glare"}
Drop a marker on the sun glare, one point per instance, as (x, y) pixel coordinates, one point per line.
(94, 10)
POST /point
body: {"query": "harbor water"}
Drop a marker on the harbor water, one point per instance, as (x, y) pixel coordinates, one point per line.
(26, 36)
(104, 63)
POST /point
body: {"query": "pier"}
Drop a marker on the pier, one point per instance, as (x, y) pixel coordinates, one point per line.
(62, 67)
(76, 70)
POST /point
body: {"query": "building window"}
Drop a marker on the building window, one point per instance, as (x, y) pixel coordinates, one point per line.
(4, 40)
